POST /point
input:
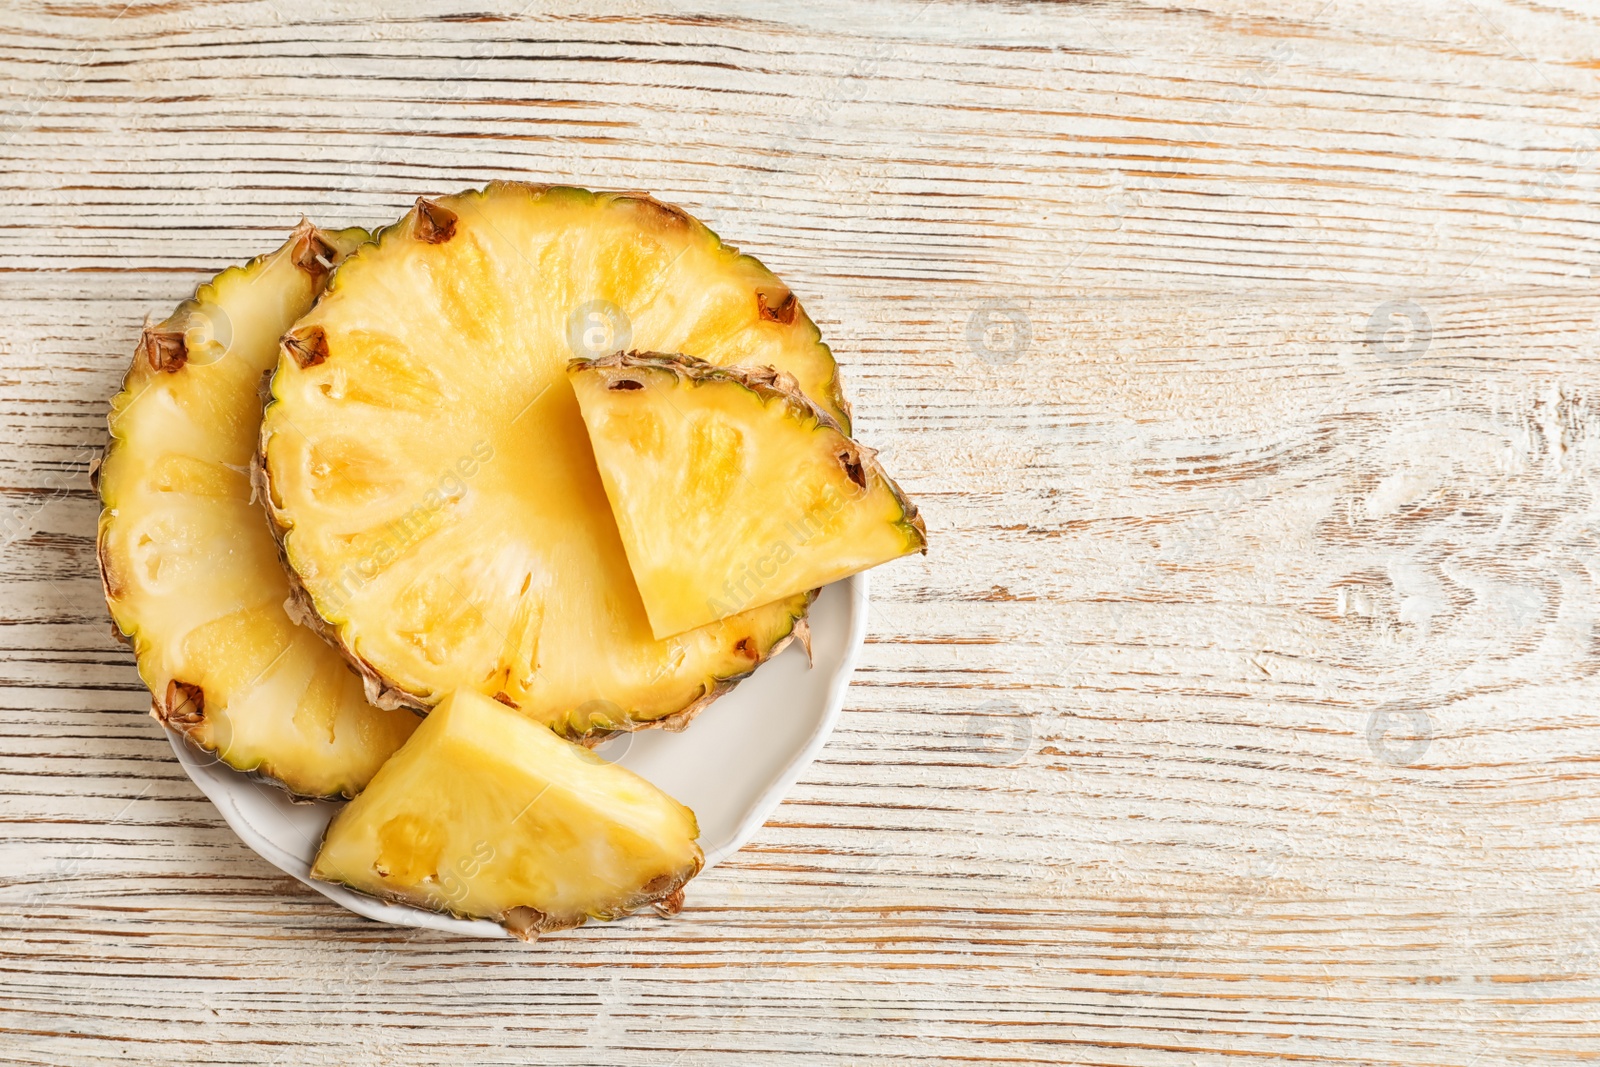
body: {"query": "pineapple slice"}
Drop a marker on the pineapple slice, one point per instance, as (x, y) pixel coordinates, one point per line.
(432, 479)
(188, 561)
(730, 488)
(486, 814)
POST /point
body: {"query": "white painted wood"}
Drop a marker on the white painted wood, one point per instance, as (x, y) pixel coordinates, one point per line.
(1292, 455)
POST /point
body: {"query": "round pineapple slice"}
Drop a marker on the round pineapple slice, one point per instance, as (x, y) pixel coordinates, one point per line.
(188, 561)
(431, 477)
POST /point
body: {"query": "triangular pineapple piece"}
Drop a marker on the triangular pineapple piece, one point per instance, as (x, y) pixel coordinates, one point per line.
(730, 488)
(188, 561)
(487, 814)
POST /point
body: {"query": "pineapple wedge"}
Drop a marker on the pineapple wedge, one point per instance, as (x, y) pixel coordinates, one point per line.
(188, 562)
(486, 814)
(730, 488)
(432, 479)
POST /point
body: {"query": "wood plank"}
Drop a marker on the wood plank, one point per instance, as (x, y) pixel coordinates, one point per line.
(1243, 364)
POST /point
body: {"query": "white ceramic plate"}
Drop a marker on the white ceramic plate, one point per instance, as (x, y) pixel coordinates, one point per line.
(732, 766)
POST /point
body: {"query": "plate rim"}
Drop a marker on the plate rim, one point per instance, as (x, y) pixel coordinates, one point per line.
(220, 784)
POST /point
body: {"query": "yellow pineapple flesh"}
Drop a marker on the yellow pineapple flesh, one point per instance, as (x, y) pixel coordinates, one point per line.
(730, 488)
(432, 478)
(188, 561)
(487, 814)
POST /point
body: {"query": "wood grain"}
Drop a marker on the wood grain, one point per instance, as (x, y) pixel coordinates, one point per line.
(1242, 359)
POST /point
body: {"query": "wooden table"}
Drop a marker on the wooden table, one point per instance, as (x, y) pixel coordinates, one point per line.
(1242, 357)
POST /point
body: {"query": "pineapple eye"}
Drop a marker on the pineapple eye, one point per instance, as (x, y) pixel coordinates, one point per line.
(625, 385)
(163, 349)
(185, 703)
(315, 254)
(433, 223)
(307, 346)
(779, 306)
(853, 469)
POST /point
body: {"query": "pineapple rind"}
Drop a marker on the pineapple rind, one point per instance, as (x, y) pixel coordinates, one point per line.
(402, 622)
(730, 487)
(485, 814)
(187, 560)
